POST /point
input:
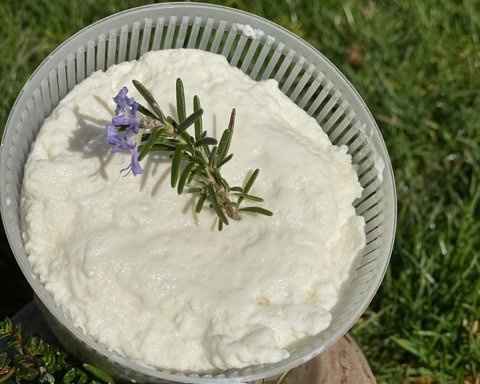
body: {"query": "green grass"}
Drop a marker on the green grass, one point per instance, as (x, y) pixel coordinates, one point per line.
(419, 72)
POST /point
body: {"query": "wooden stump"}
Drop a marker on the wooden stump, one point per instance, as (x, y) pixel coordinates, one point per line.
(343, 363)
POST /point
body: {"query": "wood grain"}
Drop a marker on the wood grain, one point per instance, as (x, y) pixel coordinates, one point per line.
(343, 363)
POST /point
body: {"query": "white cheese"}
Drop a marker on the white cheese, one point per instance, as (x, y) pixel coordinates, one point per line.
(128, 260)
(249, 31)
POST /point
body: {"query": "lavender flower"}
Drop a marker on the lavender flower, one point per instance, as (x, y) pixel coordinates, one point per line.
(126, 112)
(124, 125)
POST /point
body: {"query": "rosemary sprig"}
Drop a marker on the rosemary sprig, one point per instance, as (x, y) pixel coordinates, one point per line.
(196, 160)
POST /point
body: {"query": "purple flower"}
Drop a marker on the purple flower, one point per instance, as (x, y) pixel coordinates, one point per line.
(126, 112)
(121, 139)
(134, 165)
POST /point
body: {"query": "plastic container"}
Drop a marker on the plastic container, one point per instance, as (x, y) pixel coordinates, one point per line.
(267, 51)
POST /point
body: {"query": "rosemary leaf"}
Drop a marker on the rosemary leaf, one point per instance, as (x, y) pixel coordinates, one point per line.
(190, 120)
(177, 157)
(170, 121)
(226, 138)
(204, 180)
(198, 160)
(198, 123)
(220, 225)
(181, 109)
(148, 145)
(225, 160)
(188, 139)
(167, 143)
(231, 126)
(199, 205)
(150, 100)
(223, 144)
(249, 184)
(205, 141)
(184, 176)
(224, 183)
(259, 210)
(146, 112)
(251, 180)
(160, 148)
(249, 197)
(213, 157)
(194, 190)
(199, 170)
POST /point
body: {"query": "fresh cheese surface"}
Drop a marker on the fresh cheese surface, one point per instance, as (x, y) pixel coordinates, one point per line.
(128, 260)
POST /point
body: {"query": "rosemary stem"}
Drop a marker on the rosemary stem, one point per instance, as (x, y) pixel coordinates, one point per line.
(222, 194)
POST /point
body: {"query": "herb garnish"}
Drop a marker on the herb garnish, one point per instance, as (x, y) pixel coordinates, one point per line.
(196, 160)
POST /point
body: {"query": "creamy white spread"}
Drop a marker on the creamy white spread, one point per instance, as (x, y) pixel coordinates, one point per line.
(249, 31)
(128, 260)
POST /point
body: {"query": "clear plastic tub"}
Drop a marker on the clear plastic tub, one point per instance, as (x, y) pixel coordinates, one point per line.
(265, 51)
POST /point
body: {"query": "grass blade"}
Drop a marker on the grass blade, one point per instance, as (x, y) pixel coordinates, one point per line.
(150, 100)
(258, 210)
(181, 109)
(284, 377)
